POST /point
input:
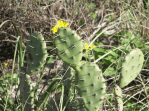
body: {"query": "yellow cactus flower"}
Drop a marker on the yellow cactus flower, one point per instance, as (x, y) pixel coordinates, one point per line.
(86, 46)
(56, 26)
(54, 30)
(6, 64)
(59, 25)
(89, 48)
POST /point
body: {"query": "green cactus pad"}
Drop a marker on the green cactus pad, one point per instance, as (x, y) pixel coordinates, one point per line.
(118, 95)
(37, 48)
(25, 92)
(131, 67)
(69, 46)
(91, 85)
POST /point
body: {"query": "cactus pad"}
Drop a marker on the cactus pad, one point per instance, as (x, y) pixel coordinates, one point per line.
(37, 47)
(118, 95)
(69, 46)
(131, 67)
(91, 86)
(25, 93)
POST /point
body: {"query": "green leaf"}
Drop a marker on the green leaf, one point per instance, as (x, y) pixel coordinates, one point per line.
(93, 15)
(110, 58)
(114, 54)
(90, 6)
(81, 22)
(98, 43)
(99, 52)
(50, 59)
(110, 17)
(109, 71)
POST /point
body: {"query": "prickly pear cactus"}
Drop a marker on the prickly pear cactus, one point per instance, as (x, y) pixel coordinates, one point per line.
(69, 46)
(131, 67)
(37, 47)
(25, 93)
(118, 96)
(90, 85)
